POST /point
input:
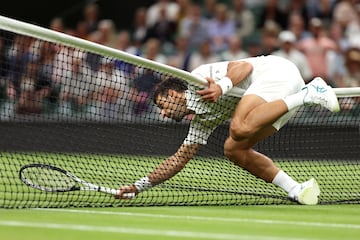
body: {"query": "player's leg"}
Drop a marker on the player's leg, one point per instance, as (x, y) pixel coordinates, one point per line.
(257, 116)
(251, 123)
(263, 167)
(253, 114)
(242, 154)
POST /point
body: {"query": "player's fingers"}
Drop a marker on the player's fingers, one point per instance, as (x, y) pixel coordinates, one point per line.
(210, 80)
(125, 193)
(211, 97)
(203, 92)
(128, 195)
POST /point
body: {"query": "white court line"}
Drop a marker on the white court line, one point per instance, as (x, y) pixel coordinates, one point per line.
(142, 231)
(216, 219)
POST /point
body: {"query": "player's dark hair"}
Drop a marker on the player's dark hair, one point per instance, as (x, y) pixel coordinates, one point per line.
(163, 87)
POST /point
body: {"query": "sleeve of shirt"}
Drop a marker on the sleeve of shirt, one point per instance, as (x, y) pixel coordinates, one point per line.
(199, 131)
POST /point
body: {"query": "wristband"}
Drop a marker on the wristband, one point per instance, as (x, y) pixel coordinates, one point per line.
(142, 184)
(225, 84)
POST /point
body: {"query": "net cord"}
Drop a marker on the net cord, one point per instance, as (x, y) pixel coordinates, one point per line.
(19, 27)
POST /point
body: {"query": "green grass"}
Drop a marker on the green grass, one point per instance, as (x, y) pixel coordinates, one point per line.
(208, 222)
(203, 181)
(212, 182)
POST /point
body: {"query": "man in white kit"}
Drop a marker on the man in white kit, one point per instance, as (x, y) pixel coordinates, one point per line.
(274, 90)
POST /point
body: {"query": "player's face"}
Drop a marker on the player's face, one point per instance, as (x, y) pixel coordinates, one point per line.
(172, 106)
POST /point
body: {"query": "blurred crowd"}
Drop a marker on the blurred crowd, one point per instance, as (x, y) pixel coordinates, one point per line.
(322, 37)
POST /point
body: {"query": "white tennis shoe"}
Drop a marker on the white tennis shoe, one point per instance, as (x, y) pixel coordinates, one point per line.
(318, 92)
(306, 193)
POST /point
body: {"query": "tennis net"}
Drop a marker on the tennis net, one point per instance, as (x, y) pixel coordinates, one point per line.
(87, 108)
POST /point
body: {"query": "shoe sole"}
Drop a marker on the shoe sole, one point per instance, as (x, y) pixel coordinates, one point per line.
(309, 195)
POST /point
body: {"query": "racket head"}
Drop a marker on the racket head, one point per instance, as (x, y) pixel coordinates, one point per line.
(47, 178)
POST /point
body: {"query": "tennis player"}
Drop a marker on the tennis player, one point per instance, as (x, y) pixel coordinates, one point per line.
(274, 90)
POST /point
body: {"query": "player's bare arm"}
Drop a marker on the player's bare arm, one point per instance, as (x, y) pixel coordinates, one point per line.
(165, 170)
(237, 71)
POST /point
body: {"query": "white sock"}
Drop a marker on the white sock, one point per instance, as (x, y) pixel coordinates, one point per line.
(295, 100)
(284, 181)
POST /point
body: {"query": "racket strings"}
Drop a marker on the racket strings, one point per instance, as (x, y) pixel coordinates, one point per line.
(48, 179)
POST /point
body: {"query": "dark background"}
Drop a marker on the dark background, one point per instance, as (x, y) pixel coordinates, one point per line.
(40, 12)
(292, 141)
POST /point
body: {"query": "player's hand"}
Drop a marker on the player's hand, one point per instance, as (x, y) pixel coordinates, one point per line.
(126, 192)
(212, 93)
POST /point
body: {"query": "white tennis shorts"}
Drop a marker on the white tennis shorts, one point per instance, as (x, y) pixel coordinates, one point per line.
(275, 78)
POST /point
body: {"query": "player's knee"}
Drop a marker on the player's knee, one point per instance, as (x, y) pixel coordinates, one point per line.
(240, 131)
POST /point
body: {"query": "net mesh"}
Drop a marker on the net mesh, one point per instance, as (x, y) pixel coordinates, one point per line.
(93, 116)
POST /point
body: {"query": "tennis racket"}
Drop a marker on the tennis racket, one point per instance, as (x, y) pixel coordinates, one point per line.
(49, 178)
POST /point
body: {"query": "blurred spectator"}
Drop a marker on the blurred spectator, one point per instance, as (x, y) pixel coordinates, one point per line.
(78, 88)
(209, 9)
(235, 51)
(351, 77)
(220, 28)
(36, 83)
(243, 18)
(112, 89)
(30, 101)
(152, 51)
(272, 12)
(254, 3)
(297, 25)
(345, 12)
(336, 58)
(3, 68)
(91, 17)
(93, 60)
(202, 56)
(57, 24)
(184, 8)
(288, 50)
(107, 29)
(180, 58)
(145, 80)
(45, 82)
(63, 61)
(269, 38)
(316, 49)
(164, 28)
(123, 43)
(139, 26)
(81, 30)
(194, 27)
(143, 86)
(171, 9)
(19, 55)
(297, 7)
(254, 48)
(321, 9)
(337, 33)
(352, 28)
